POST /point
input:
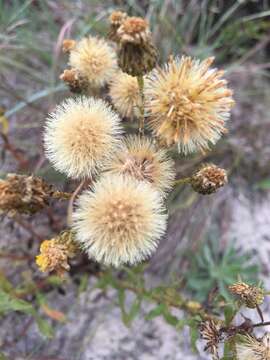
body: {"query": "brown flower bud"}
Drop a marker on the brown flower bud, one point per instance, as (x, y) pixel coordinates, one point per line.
(250, 296)
(136, 54)
(116, 20)
(54, 253)
(24, 194)
(76, 83)
(68, 45)
(208, 179)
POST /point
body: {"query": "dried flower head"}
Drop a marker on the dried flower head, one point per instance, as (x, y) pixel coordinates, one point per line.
(120, 221)
(140, 158)
(80, 135)
(24, 194)
(54, 253)
(116, 19)
(68, 45)
(251, 296)
(125, 94)
(208, 179)
(94, 60)
(76, 83)
(254, 349)
(136, 55)
(187, 103)
(210, 331)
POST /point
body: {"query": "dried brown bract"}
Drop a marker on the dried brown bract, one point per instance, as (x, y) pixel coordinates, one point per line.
(24, 194)
(68, 45)
(136, 55)
(251, 296)
(210, 331)
(116, 19)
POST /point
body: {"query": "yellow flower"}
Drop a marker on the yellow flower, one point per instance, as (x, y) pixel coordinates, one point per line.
(187, 103)
(80, 135)
(94, 59)
(53, 257)
(125, 94)
(140, 158)
(120, 221)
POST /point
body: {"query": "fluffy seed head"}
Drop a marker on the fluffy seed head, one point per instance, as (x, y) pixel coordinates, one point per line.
(125, 94)
(254, 349)
(187, 103)
(80, 135)
(120, 222)
(208, 179)
(94, 59)
(140, 158)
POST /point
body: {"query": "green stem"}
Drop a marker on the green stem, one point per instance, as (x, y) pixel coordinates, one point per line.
(182, 181)
(141, 106)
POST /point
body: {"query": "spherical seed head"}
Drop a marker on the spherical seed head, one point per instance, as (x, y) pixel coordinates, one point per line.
(140, 158)
(208, 179)
(187, 104)
(251, 348)
(120, 222)
(125, 94)
(53, 257)
(80, 135)
(94, 59)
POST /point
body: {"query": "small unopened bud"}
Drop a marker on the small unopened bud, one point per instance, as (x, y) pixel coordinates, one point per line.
(68, 45)
(24, 194)
(54, 253)
(250, 296)
(208, 179)
(136, 55)
(75, 82)
(116, 19)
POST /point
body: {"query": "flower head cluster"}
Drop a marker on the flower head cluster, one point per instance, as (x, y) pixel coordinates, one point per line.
(120, 221)
(187, 103)
(254, 349)
(141, 159)
(210, 331)
(80, 135)
(116, 19)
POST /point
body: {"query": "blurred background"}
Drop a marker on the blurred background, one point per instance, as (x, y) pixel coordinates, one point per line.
(211, 239)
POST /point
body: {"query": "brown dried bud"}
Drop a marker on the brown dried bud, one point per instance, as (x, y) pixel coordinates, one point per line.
(54, 253)
(116, 20)
(210, 331)
(208, 179)
(68, 45)
(136, 54)
(76, 83)
(24, 194)
(250, 296)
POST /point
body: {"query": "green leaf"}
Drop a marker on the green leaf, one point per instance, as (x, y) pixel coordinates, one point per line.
(263, 185)
(157, 311)
(229, 313)
(44, 327)
(194, 335)
(8, 304)
(170, 319)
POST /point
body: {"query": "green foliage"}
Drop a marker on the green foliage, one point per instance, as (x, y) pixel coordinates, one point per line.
(263, 185)
(211, 268)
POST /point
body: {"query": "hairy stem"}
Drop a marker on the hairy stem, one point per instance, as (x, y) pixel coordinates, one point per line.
(141, 107)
